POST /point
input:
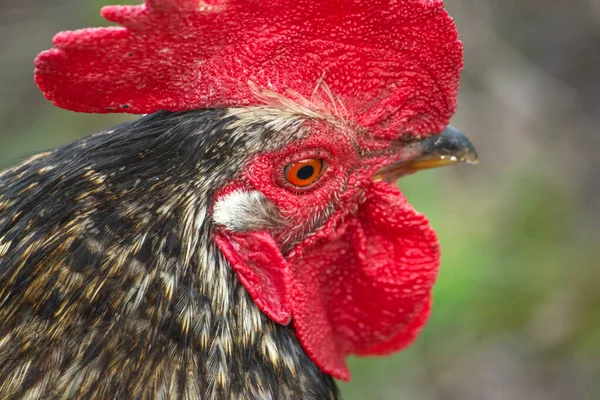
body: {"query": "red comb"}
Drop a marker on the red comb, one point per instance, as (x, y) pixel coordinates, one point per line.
(394, 64)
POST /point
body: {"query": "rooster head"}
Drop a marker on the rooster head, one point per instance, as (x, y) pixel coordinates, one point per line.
(334, 100)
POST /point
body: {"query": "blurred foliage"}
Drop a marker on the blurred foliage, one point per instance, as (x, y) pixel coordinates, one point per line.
(517, 303)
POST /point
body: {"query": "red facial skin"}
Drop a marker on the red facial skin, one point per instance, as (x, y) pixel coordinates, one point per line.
(361, 283)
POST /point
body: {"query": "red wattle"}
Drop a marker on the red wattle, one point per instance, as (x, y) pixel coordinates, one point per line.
(363, 287)
(368, 290)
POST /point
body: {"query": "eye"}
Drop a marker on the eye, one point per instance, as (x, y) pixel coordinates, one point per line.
(305, 172)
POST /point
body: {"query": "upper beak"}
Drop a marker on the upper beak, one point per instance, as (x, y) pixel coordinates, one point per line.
(449, 147)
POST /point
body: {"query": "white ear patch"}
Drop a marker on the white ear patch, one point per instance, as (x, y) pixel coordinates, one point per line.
(242, 211)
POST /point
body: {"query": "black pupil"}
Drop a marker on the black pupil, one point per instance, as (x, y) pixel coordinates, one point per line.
(305, 172)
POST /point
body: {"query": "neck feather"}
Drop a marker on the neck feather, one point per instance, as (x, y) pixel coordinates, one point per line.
(110, 283)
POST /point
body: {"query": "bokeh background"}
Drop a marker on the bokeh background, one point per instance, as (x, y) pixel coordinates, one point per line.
(517, 304)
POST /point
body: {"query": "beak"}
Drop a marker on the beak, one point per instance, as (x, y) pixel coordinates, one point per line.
(448, 148)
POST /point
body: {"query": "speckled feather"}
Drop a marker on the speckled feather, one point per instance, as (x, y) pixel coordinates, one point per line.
(110, 286)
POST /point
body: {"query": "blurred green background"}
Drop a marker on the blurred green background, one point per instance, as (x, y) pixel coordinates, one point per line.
(517, 304)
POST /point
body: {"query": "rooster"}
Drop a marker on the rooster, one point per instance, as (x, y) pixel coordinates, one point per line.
(245, 236)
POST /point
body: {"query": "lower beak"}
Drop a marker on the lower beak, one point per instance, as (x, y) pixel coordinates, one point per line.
(448, 148)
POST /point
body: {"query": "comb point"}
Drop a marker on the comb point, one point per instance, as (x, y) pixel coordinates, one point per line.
(393, 64)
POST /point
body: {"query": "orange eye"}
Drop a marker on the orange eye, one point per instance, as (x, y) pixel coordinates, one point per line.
(305, 172)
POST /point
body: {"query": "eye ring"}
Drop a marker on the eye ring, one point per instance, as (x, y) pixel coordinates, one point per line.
(305, 172)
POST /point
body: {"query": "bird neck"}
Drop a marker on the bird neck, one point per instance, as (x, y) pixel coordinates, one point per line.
(242, 352)
(112, 286)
